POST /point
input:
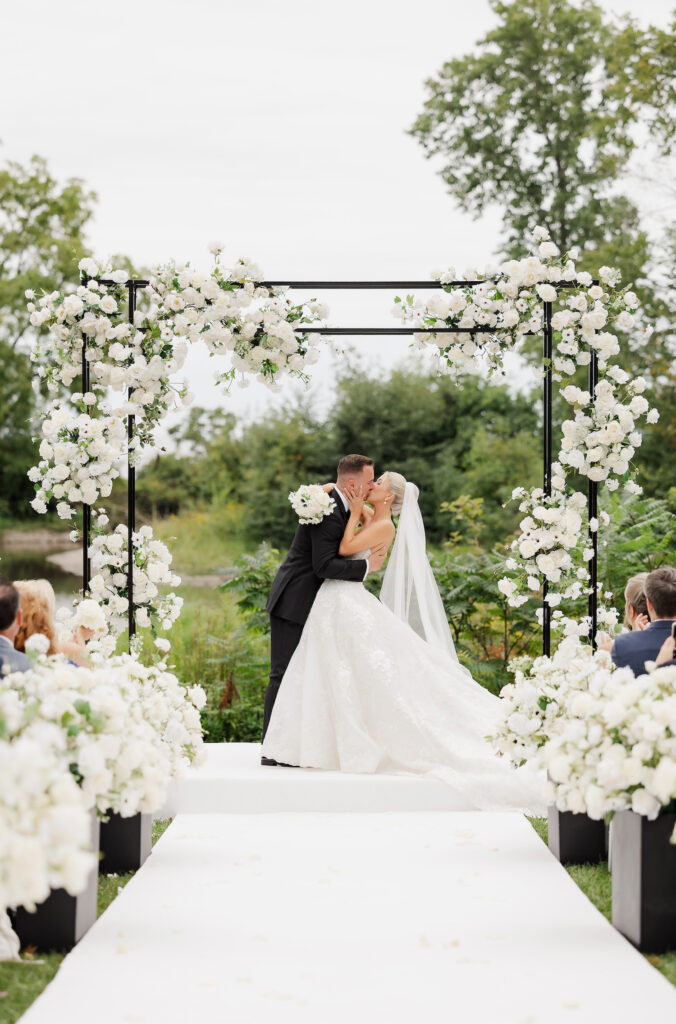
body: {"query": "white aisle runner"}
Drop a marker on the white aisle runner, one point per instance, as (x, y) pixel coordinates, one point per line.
(368, 918)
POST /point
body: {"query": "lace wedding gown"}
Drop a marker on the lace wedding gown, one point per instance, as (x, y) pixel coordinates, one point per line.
(365, 693)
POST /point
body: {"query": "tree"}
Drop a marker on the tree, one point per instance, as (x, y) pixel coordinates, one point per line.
(541, 121)
(536, 123)
(42, 225)
(16, 407)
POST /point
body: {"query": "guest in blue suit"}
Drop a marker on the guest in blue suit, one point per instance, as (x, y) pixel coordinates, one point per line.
(10, 623)
(635, 648)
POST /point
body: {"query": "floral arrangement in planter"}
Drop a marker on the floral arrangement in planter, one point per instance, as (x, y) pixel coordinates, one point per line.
(126, 729)
(44, 820)
(606, 739)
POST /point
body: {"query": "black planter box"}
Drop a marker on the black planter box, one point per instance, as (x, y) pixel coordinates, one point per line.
(576, 838)
(61, 921)
(125, 842)
(644, 880)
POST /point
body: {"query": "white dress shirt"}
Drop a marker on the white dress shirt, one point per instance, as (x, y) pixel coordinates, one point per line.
(346, 506)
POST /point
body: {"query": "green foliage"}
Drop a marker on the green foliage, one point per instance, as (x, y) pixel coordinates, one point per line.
(476, 440)
(16, 409)
(42, 227)
(234, 709)
(487, 633)
(536, 122)
(641, 536)
(252, 583)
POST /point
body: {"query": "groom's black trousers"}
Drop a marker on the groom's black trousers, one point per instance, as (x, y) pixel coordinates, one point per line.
(284, 639)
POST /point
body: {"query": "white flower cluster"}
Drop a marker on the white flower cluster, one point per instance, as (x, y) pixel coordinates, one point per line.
(44, 821)
(225, 309)
(601, 439)
(78, 456)
(127, 729)
(233, 314)
(531, 703)
(311, 503)
(109, 554)
(606, 739)
(548, 545)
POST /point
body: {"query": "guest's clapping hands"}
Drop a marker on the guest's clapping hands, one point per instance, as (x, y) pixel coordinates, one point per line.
(666, 651)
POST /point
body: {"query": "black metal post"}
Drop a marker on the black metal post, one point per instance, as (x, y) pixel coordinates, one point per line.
(131, 491)
(546, 456)
(86, 509)
(593, 513)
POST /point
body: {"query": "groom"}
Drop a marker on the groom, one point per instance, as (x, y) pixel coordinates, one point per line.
(312, 558)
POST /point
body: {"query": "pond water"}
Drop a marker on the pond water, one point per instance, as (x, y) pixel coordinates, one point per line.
(31, 565)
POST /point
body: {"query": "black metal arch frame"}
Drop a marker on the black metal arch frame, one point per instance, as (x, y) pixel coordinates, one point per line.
(135, 285)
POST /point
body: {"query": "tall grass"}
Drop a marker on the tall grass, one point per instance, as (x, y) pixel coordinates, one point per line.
(205, 540)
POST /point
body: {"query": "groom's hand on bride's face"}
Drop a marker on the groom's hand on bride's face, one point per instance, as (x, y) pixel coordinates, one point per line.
(377, 557)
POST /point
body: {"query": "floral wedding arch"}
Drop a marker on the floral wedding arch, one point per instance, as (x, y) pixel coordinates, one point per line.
(98, 334)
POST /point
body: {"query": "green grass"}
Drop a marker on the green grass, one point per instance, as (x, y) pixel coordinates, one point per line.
(595, 881)
(203, 541)
(21, 983)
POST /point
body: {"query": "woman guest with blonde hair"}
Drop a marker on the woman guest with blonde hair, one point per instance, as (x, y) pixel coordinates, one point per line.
(636, 616)
(38, 615)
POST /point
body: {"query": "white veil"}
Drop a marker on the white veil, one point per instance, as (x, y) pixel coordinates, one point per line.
(409, 588)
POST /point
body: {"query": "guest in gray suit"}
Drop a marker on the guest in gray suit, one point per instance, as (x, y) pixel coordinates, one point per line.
(10, 621)
(635, 648)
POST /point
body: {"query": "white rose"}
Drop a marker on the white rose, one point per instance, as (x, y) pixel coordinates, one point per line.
(506, 587)
(645, 804)
(663, 782)
(37, 642)
(90, 615)
(546, 292)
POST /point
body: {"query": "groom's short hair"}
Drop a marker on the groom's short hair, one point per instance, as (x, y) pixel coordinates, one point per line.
(353, 464)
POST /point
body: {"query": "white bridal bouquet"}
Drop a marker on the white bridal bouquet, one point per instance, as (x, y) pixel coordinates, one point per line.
(311, 503)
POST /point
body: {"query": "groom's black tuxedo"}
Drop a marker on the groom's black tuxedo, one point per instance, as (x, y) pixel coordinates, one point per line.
(312, 558)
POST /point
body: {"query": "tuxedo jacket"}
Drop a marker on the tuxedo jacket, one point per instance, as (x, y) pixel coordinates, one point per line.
(635, 648)
(313, 557)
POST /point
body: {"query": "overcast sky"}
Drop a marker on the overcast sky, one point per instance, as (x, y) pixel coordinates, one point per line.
(277, 126)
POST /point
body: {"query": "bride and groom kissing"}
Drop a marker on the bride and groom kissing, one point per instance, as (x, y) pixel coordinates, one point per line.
(365, 684)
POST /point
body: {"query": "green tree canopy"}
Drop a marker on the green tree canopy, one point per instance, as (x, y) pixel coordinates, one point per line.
(539, 122)
(42, 224)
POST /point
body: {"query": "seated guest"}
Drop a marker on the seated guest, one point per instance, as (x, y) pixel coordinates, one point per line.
(635, 609)
(635, 648)
(38, 608)
(10, 623)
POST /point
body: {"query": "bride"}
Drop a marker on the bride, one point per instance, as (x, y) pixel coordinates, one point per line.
(375, 684)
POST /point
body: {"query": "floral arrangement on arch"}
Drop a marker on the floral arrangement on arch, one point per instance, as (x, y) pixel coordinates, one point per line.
(601, 435)
(84, 442)
(108, 586)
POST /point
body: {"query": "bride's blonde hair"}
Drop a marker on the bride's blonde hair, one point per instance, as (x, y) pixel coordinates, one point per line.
(397, 485)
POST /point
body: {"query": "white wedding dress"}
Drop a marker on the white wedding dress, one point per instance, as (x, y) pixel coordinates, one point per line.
(365, 693)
